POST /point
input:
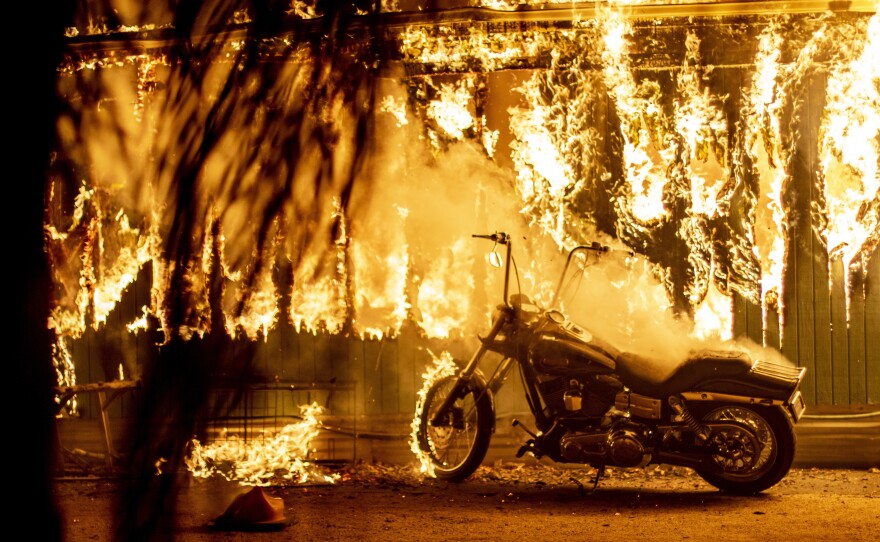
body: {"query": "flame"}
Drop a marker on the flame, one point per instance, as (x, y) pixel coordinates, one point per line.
(132, 251)
(849, 148)
(555, 142)
(543, 177)
(95, 258)
(443, 366)
(396, 107)
(701, 129)
(318, 305)
(261, 312)
(490, 140)
(546, 179)
(64, 370)
(772, 91)
(444, 293)
(713, 317)
(257, 462)
(639, 113)
(451, 110)
(303, 9)
(701, 124)
(764, 133)
(501, 5)
(318, 298)
(381, 302)
(146, 80)
(475, 51)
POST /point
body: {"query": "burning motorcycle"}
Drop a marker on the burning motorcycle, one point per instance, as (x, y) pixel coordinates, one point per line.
(725, 415)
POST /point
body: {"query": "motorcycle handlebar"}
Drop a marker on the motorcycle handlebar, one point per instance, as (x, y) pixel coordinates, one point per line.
(604, 248)
(504, 238)
(499, 237)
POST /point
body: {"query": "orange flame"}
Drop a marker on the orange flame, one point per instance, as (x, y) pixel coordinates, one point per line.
(639, 111)
(318, 299)
(849, 147)
(451, 110)
(443, 366)
(284, 454)
(444, 292)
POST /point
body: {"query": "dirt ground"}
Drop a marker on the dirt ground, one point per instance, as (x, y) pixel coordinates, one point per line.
(510, 501)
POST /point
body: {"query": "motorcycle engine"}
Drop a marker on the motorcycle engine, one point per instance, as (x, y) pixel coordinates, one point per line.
(624, 444)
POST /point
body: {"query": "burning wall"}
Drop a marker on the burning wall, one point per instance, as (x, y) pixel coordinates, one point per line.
(736, 154)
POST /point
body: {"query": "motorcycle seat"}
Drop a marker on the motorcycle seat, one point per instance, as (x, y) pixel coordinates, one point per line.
(657, 377)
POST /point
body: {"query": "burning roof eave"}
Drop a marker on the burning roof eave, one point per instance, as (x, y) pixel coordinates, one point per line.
(153, 38)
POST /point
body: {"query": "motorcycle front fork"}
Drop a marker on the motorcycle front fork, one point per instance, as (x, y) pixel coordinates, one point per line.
(465, 375)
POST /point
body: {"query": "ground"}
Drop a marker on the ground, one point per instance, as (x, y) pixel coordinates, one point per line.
(511, 501)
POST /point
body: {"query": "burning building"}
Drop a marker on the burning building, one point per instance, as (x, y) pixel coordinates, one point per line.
(332, 188)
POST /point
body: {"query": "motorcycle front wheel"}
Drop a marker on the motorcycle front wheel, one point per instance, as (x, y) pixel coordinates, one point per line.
(457, 445)
(747, 464)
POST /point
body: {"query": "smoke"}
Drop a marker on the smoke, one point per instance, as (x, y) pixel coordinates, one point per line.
(420, 212)
(619, 299)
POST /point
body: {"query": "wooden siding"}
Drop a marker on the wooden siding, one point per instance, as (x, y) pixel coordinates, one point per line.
(832, 330)
(832, 333)
(842, 356)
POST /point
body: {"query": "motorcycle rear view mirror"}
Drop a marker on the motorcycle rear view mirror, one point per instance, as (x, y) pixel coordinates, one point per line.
(494, 258)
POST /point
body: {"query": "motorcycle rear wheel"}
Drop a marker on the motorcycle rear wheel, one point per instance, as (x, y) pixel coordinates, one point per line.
(737, 466)
(458, 445)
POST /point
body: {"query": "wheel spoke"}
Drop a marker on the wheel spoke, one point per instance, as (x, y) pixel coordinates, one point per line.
(458, 443)
(738, 454)
(751, 447)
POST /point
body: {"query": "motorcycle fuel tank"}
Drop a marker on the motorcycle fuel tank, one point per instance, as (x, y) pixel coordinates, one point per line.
(562, 347)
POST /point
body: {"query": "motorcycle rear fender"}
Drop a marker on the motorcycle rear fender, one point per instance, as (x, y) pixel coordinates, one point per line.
(794, 404)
